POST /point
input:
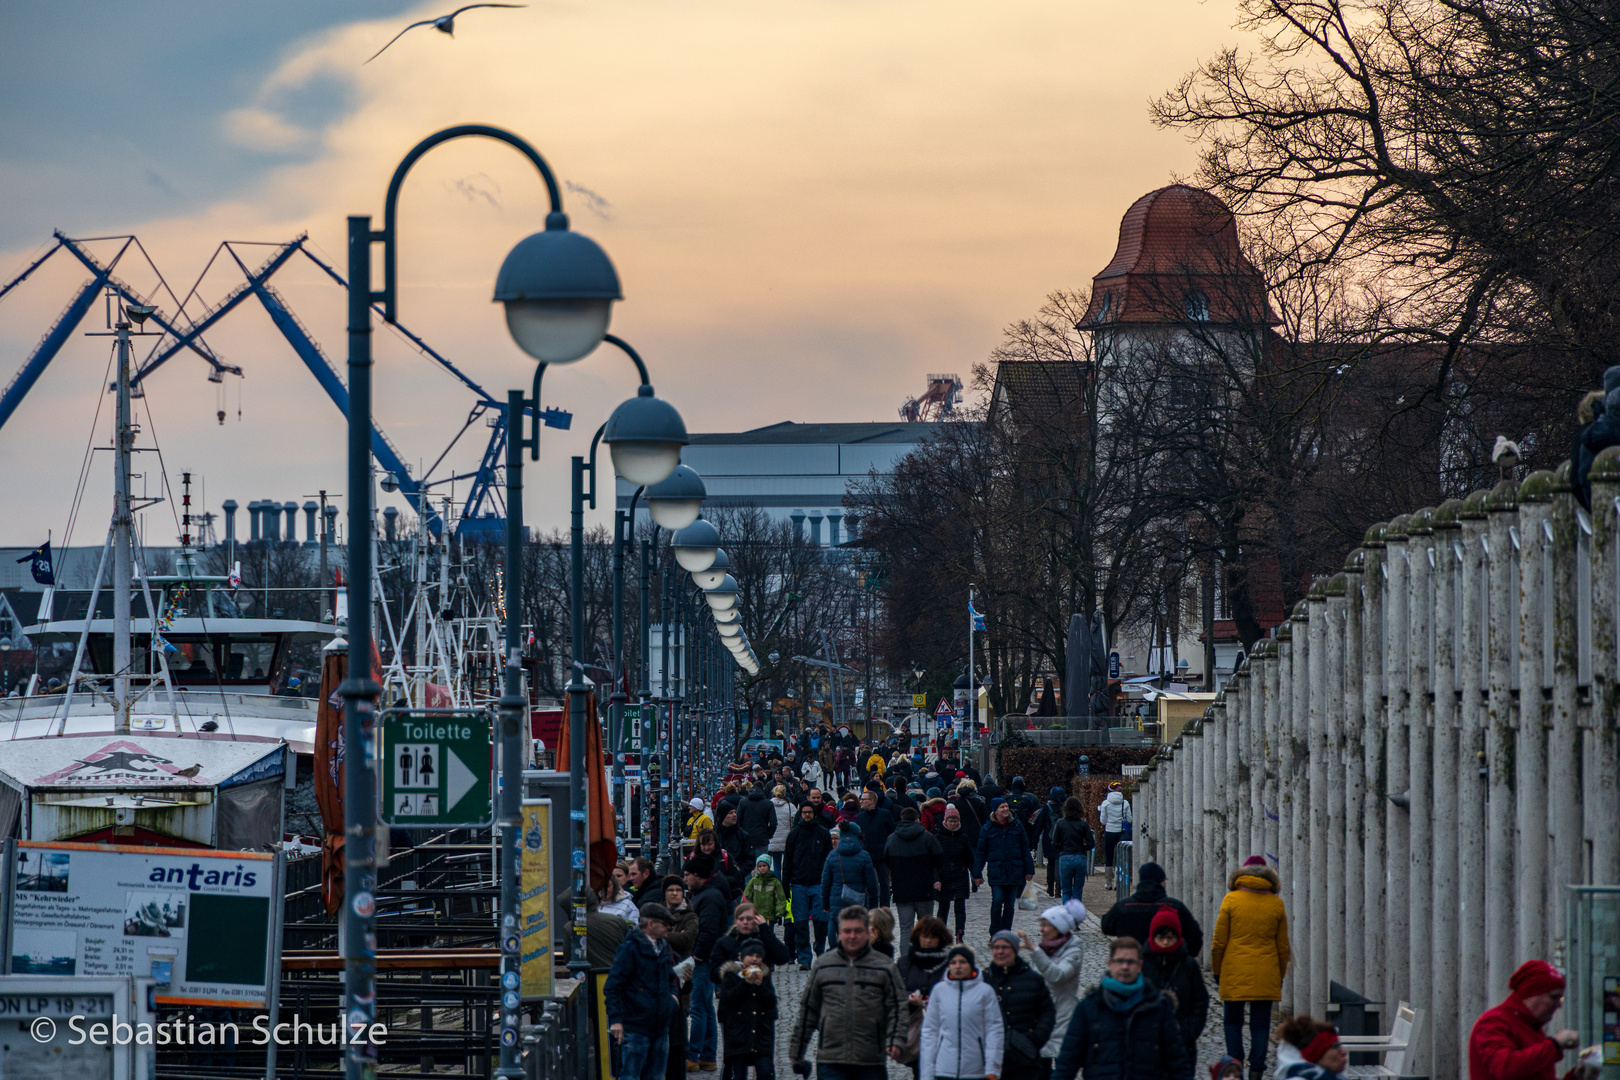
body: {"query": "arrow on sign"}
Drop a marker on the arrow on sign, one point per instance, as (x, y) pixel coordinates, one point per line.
(461, 780)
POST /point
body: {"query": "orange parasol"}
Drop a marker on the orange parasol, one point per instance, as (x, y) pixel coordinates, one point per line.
(604, 851)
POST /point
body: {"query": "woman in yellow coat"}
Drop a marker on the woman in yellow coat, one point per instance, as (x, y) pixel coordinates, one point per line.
(1249, 956)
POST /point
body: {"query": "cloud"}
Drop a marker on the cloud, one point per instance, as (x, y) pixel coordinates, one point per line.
(593, 202)
(261, 129)
(477, 188)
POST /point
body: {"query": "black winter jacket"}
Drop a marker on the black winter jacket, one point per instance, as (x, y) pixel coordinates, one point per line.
(1072, 838)
(729, 948)
(1140, 1043)
(972, 821)
(756, 817)
(1177, 974)
(747, 1012)
(1003, 857)
(914, 857)
(806, 852)
(1027, 1012)
(1133, 917)
(876, 827)
(955, 863)
(735, 844)
(641, 986)
(921, 969)
(712, 902)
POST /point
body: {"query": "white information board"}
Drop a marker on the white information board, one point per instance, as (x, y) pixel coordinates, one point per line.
(203, 924)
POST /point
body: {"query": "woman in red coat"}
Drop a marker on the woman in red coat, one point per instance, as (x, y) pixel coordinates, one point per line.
(1507, 1042)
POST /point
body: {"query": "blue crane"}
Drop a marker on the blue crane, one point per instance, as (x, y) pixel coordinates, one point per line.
(478, 514)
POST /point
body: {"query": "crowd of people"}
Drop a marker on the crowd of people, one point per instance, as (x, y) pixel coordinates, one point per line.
(850, 860)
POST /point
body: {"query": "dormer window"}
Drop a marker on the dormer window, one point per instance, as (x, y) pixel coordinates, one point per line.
(1102, 308)
(1197, 305)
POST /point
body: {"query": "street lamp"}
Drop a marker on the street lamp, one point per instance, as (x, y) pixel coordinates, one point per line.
(723, 596)
(557, 288)
(716, 572)
(730, 615)
(696, 545)
(675, 502)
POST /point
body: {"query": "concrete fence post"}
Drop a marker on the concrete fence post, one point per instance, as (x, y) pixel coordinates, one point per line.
(1316, 777)
(1563, 737)
(1397, 762)
(1287, 769)
(1473, 686)
(1530, 737)
(1601, 740)
(1234, 774)
(1500, 886)
(1374, 729)
(1333, 815)
(1442, 883)
(1353, 867)
(1419, 743)
(1297, 721)
(1266, 733)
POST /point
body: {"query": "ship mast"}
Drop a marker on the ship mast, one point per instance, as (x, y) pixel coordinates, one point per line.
(123, 533)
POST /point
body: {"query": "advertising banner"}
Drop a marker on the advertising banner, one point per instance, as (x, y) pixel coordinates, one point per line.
(535, 898)
(203, 924)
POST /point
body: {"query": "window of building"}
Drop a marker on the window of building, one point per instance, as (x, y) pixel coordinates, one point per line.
(1197, 305)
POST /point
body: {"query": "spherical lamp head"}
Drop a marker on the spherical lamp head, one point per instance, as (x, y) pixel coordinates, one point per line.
(729, 630)
(696, 545)
(722, 596)
(716, 572)
(645, 436)
(675, 501)
(730, 615)
(558, 288)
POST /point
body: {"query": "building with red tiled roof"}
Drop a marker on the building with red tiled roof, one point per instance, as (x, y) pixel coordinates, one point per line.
(1178, 261)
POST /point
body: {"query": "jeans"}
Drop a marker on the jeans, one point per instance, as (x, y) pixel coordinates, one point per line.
(910, 911)
(1003, 899)
(961, 914)
(641, 1057)
(1071, 873)
(826, 1070)
(807, 916)
(704, 1040)
(883, 885)
(1259, 1031)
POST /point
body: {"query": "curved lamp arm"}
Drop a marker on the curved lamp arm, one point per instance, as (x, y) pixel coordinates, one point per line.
(532, 439)
(388, 236)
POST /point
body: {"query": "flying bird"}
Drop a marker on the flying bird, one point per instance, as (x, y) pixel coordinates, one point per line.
(445, 24)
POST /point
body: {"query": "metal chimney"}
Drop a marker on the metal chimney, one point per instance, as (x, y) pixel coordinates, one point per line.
(798, 523)
(270, 524)
(292, 522)
(253, 518)
(390, 520)
(833, 518)
(229, 508)
(310, 538)
(815, 528)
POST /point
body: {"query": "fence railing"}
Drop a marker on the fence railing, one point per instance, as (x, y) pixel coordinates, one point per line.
(1426, 752)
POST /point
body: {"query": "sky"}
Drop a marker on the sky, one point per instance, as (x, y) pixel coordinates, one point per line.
(812, 204)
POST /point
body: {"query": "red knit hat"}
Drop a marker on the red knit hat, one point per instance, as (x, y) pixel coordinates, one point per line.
(1164, 918)
(1535, 977)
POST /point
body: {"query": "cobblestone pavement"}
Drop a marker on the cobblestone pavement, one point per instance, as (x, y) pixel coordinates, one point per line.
(790, 980)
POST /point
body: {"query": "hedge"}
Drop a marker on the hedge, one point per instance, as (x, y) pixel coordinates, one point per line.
(1044, 768)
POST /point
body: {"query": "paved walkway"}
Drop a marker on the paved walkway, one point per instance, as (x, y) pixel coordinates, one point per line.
(790, 980)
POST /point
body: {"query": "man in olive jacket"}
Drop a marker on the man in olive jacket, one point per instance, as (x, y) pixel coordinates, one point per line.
(856, 1001)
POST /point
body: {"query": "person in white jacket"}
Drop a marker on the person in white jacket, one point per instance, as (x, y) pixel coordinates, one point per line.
(784, 823)
(1056, 958)
(962, 1036)
(811, 773)
(1115, 813)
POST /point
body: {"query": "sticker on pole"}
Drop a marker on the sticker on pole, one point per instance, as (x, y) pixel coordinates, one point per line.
(435, 767)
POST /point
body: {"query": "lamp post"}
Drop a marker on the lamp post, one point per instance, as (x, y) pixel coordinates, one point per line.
(558, 288)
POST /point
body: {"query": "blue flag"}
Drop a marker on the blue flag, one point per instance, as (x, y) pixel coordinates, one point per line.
(40, 558)
(978, 620)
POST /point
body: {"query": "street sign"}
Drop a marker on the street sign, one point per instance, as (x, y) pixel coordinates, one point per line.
(919, 701)
(944, 710)
(1113, 665)
(436, 767)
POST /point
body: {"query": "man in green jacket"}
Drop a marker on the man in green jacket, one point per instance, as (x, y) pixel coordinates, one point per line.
(856, 1001)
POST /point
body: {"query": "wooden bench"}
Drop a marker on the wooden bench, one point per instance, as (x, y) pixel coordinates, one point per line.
(1403, 1036)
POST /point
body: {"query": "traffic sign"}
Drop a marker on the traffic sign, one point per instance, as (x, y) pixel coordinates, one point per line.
(436, 767)
(944, 708)
(919, 701)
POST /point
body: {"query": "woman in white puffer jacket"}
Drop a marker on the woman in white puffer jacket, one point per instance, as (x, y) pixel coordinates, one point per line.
(784, 823)
(962, 1036)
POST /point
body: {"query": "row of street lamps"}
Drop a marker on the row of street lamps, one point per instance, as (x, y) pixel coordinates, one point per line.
(558, 288)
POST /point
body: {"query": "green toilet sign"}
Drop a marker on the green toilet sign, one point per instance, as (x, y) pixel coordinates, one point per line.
(435, 768)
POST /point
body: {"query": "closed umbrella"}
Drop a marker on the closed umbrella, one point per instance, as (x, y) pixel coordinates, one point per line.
(1077, 671)
(1099, 665)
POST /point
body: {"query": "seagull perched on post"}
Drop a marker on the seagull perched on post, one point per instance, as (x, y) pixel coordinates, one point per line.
(445, 24)
(1506, 456)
